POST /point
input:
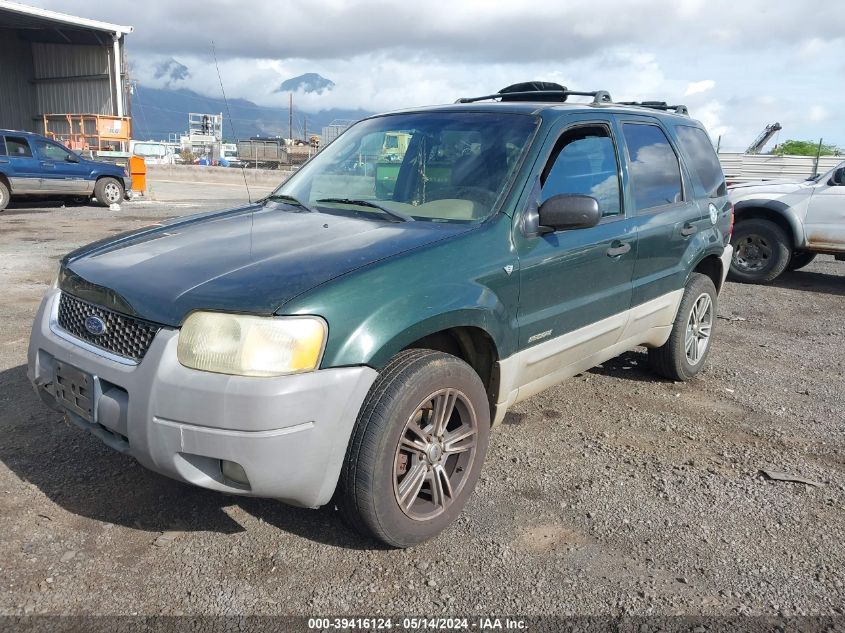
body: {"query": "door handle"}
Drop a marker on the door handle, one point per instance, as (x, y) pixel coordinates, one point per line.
(688, 229)
(46, 164)
(3, 161)
(620, 249)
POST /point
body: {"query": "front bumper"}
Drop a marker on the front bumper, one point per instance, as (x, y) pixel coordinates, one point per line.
(289, 434)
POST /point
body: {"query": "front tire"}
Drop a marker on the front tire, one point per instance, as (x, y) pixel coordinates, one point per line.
(416, 450)
(761, 252)
(108, 191)
(800, 259)
(685, 353)
(5, 195)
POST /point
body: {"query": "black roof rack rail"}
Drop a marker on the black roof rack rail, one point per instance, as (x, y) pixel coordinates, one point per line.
(658, 105)
(555, 93)
(599, 96)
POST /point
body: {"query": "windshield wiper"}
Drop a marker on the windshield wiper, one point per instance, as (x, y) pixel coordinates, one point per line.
(283, 197)
(369, 203)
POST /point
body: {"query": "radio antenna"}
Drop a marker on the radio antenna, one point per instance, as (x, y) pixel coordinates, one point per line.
(229, 114)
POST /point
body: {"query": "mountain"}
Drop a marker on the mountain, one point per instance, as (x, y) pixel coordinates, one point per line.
(157, 112)
(171, 71)
(309, 82)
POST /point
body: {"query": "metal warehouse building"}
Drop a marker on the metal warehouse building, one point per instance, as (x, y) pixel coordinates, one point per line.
(53, 63)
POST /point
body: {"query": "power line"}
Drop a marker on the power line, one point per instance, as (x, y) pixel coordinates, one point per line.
(229, 114)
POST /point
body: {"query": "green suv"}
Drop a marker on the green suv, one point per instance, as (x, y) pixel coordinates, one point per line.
(353, 337)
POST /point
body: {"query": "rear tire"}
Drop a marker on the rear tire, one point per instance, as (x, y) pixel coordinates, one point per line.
(761, 252)
(5, 195)
(108, 191)
(685, 353)
(800, 259)
(408, 471)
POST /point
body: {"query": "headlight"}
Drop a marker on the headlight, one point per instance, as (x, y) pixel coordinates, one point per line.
(250, 345)
(55, 283)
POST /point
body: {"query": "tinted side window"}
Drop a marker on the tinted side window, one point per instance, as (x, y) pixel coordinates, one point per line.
(17, 147)
(584, 162)
(706, 170)
(50, 151)
(2, 146)
(654, 173)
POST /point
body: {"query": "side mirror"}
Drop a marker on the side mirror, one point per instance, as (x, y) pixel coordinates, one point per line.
(566, 211)
(72, 158)
(838, 177)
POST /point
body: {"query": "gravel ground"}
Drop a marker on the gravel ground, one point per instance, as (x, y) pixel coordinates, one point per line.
(614, 493)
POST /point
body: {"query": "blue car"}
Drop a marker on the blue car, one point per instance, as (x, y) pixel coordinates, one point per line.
(34, 165)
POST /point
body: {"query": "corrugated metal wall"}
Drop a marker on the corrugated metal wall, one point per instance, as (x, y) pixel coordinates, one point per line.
(17, 94)
(747, 167)
(38, 78)
(72, 78)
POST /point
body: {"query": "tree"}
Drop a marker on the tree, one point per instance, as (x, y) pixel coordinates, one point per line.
(188, 157)
(805, 148)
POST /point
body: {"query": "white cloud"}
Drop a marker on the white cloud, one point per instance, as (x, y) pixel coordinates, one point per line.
(697, 87)
(818, 113)
(387, 55)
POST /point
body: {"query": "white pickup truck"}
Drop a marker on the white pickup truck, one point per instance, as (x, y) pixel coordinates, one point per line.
(782, 225)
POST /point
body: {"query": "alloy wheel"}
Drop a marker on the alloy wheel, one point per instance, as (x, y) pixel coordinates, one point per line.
(112, 192)
(699, 326)
(435, 453)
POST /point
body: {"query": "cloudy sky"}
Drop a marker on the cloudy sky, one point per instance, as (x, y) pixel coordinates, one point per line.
(737, 64)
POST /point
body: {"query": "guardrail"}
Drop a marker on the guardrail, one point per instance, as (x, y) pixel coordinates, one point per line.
(747, 167)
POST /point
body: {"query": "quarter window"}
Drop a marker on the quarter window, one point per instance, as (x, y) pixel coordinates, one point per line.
(2, 146)
(699, 151)
(655, 174)
(18, 147)
(584, 162)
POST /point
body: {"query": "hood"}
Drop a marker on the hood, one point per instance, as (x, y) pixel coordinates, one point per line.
(104, 166)
(252, 260)
(770, 186)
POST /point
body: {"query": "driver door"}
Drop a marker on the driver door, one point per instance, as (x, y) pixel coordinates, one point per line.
(576, 286)
(61, 171)
(825, 223)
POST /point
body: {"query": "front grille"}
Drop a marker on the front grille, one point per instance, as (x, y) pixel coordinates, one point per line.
(123, 335)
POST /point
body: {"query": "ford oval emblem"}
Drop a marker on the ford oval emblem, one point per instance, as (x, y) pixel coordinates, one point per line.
(95, 325)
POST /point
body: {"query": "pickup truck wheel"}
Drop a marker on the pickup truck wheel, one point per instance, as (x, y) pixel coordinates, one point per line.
(686, 351)
(108, 191)
(761, 252)
(4, 195)
(800, 259)
(416, 450)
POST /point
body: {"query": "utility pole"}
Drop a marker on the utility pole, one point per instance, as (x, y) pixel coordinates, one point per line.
(290, 118)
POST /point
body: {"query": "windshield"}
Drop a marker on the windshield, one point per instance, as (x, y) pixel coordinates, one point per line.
(437, 167)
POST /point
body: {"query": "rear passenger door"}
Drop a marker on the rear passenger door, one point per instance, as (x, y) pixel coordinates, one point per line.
(24, 173)
(663, 206)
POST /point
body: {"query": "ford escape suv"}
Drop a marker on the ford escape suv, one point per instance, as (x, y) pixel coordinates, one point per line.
(353, 337)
